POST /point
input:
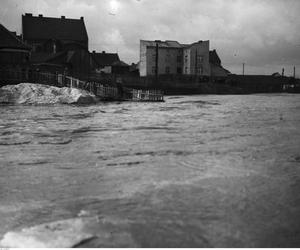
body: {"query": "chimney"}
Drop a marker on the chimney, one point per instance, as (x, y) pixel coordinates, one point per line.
(63, 17)
(28, 14)
(40, 15)
(81, 18)
(103, 52)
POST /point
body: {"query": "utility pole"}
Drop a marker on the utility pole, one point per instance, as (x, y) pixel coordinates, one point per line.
(294, 72)
(243, 69)
(156, 62)
(196, 62)
(282, 72)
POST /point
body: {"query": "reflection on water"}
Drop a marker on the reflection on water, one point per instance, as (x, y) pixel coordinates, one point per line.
(201, 171)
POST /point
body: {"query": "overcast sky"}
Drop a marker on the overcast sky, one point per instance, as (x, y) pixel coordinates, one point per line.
(265, 34)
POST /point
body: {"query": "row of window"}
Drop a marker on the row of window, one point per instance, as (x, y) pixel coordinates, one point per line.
(167, 70)
(199, 70)
(199, 59)
(168, 58)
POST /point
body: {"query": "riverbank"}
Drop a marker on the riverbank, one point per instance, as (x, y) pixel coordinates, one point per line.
(232, 85)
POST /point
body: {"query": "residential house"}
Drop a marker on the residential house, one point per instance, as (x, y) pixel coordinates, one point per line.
(14, 54)
(110, 63)
(52, 35)
(172, 57)
(58, 44)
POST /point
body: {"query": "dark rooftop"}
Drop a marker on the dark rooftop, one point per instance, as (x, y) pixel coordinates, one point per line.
(39, 27)
(106, 59)
(214, 58)
(10, 41)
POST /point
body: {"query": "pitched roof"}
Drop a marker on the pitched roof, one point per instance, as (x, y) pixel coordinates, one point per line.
(106, 59)
(218, 70)
(39, 57)
(214, 58)
(39, 27)
(9, 41)
(162, 44)
(168, 44)
(120, 64)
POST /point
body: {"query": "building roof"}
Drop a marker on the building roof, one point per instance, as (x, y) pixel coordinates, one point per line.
(218, 70)
(105, 59)
(44, 28)
(120, 64)
(162, 44)
(9, 41)
(39, 57)
(168, 44)
(214, 58)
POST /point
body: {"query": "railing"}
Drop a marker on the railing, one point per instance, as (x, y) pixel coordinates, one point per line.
(98, 89)
(147, 95)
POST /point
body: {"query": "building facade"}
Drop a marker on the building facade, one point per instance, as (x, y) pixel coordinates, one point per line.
(52, 35)
(171, 57)
(58, 44)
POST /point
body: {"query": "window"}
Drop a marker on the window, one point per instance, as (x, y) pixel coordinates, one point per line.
(153, 70)
(154, 57)
(199, 70)
(199, 59)
(186, 70)
(179, 59)
(167, 70)
(168, 56)
(179, 70)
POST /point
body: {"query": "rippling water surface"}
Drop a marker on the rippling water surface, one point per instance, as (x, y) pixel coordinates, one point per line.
(201, 171)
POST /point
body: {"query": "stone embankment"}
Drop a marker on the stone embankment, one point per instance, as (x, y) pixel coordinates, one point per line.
(35, 94)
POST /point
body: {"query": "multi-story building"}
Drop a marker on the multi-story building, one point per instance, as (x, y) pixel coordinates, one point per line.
(171, 57)
(52, 35)
(58, 44)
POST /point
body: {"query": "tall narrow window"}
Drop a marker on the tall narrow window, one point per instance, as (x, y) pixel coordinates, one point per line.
(179, 59)
(153, 70)
(153, 57)
(186, 59)
(199, 70)
(167, 70)
(199, 59)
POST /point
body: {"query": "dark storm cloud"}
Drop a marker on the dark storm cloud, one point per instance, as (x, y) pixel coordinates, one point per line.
(263, 34)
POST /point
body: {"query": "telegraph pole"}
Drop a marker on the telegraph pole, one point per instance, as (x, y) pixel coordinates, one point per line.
(156, 62)
(196, 62)
(294, 72)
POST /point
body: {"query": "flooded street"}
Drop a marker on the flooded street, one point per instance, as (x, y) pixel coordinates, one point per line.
(195, 171)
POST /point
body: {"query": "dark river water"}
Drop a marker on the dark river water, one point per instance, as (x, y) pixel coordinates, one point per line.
(200, 171)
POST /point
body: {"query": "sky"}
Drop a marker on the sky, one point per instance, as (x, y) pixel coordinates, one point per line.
(263, 34)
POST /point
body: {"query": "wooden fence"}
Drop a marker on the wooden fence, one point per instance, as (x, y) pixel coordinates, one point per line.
(106, 92)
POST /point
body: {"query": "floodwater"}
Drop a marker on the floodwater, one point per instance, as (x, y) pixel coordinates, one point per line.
(195, 171)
